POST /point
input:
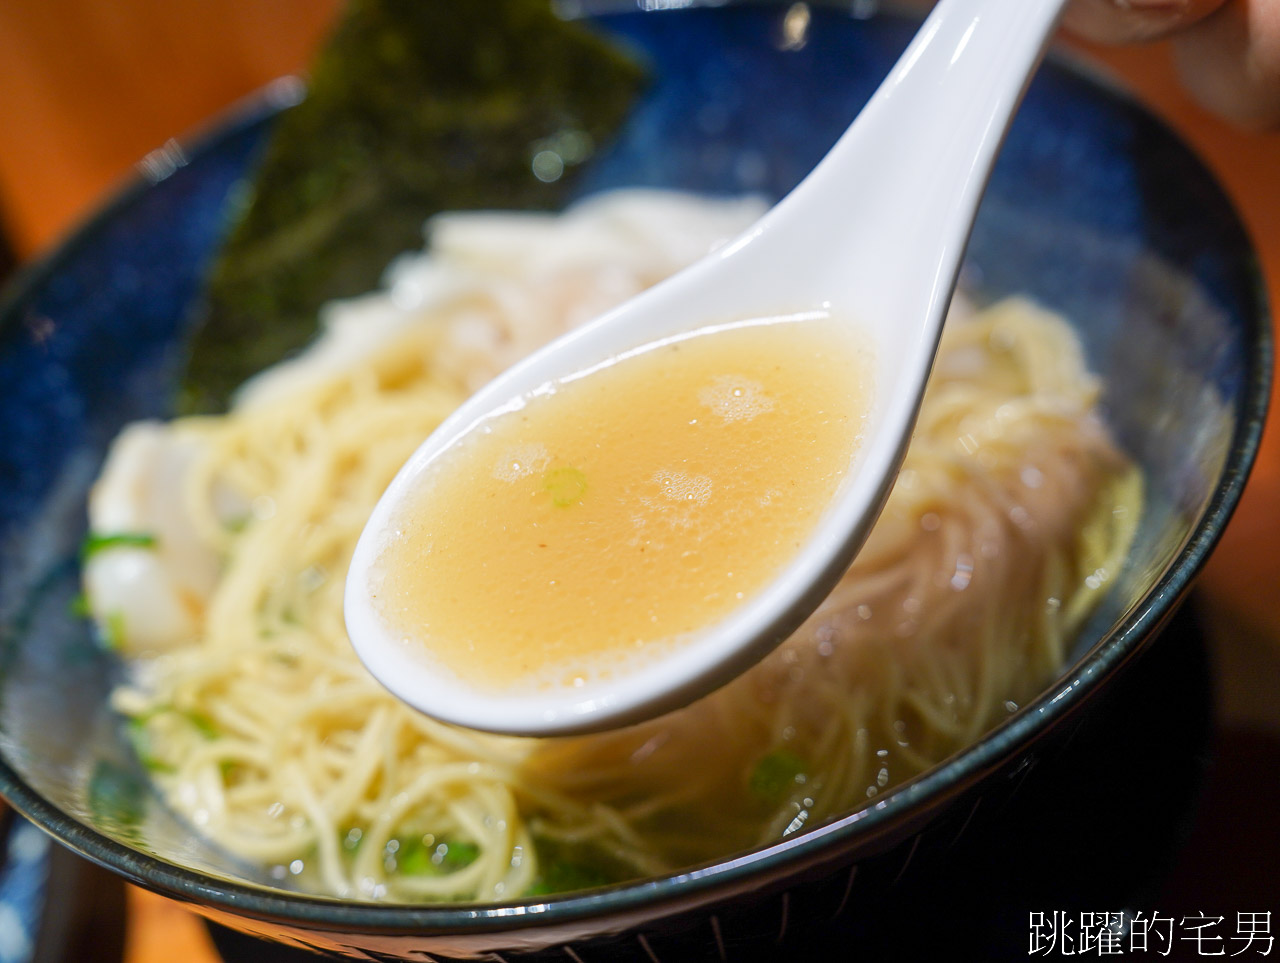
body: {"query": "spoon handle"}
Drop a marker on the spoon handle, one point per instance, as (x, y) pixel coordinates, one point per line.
(916, 161)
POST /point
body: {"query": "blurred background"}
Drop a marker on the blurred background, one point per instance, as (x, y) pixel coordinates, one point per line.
(87, 90)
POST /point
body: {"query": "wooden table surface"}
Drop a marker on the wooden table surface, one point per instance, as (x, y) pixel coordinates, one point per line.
(80, 104)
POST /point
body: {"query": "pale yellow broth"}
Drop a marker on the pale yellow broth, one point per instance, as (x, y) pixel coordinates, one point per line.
(639, 503)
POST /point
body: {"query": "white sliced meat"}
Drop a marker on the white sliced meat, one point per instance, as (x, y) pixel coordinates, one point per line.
(150, 598)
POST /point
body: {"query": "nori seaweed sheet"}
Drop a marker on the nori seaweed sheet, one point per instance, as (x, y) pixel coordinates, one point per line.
(414, 107)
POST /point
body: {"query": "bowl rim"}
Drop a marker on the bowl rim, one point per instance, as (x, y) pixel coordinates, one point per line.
(714, 880)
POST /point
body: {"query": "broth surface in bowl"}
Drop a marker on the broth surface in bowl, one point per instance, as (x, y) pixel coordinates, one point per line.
(606, 517)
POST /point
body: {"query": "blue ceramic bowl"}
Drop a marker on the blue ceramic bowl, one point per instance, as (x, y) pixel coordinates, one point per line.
(1094, 210)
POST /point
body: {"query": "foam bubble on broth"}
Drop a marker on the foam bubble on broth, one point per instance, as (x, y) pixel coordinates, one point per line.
(735, 398)
(609, 520)
(520, 461)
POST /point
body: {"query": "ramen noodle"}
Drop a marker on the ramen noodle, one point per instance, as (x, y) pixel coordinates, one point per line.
(220, 547)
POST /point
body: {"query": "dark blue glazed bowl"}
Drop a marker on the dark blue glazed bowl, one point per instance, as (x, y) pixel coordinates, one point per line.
(1094, 210)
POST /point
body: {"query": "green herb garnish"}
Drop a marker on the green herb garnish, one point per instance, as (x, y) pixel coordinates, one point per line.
(79, 606)
(563, 876)
(139, 733)
(95, 542)
(415, 858)
(459, 855)
(564, 867)
(776, 775)
(566, 485)
(203, 724)
(140, 739)
(112, 631)
(117, 800)
(238, 524)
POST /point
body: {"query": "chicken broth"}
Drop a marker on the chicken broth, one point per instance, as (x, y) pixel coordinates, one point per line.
(627, 508)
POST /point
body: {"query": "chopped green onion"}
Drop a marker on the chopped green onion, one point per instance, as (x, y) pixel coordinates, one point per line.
(95, 543)
(201, 722)
(458, 855)
(117, 800)
(149, 714)
(564, 867)
(140, 739)
(79, 606)
(566, 485)
(415, 858)
(204, 725)
(113, 631)
(776, 775)
(563, 876)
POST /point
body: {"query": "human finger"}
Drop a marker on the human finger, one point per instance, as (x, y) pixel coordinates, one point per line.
(1130, 21)
(1230, 62)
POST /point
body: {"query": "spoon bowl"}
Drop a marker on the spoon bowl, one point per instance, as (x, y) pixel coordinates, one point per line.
(872, 237)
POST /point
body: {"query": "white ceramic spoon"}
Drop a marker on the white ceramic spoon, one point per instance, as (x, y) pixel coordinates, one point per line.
(874, 233)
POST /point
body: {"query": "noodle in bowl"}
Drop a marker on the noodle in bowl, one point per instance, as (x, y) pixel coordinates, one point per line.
(1013, 511)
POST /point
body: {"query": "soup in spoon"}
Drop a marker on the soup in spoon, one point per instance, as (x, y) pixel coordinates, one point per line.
(603, 519)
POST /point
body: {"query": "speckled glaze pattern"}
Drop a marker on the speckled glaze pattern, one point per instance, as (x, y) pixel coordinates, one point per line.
(1094, 209)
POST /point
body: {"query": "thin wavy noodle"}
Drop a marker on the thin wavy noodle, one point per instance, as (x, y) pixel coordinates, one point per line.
(1012, 513)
